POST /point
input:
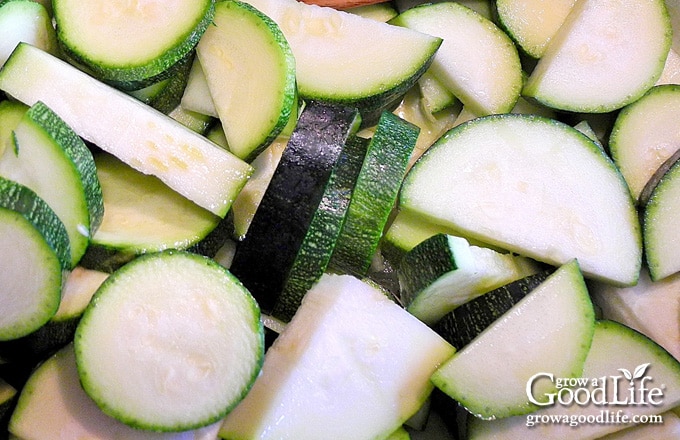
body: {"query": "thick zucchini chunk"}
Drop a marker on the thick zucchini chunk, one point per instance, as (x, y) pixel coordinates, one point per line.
(324, 229)
(265, 256)
(26, 21)
(130, 44)
(445, 271)
(352, 364)
(36, 252)
(141, 215)
(549, 330)
(170, 342)
(615, 347)
(49, 157)
(139, 135)
(53, 406)
(379, 61)
(605, 55)
(477, 61)
(250, 72)
(374, 194)
(534, 186)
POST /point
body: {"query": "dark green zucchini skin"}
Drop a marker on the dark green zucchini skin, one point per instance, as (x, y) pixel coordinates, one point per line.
(265, 256)
(464, 323)
(317, 247)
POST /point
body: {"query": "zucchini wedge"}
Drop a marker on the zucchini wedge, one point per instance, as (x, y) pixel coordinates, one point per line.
(380, 62)
(170, 342)
(36, 253)
(27, 21)
(250, 71)
(533, 186)
(549, 330)
(127, 128)
(130, 45)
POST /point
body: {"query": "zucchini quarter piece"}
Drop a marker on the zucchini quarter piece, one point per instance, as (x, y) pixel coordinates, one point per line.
(352, 364)
(35, 253)
(250, 71)
(130, 43)
(549, 330)
(26, 21)
(137, 134)
(606, 54)
(49, 157)
(170, 342)
(533, 186)
(348, 59)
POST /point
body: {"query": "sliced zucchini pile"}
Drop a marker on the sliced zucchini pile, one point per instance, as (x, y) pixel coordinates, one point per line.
(270, 219)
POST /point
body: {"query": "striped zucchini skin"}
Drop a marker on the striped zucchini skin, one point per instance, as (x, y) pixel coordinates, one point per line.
(375, 193)
(81, 46)
(317, 247)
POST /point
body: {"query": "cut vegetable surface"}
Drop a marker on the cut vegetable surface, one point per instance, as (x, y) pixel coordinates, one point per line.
(350, 353)
(533, 186)
(130, 44)
(477, 61)
(388, 59)
(35, 249)
(550, 329)
(171, 341)
(250, 71)
(142, 137)
(48, 157)
(27, 21)
(605, 55)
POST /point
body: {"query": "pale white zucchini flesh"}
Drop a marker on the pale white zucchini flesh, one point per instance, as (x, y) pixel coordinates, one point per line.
(142, 137)
(25, 21)
(533, 186)
(170, 342)
(606, 54)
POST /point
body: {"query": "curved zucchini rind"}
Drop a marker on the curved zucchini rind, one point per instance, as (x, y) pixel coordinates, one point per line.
(28, 218)
(132, 76)
(166, 94)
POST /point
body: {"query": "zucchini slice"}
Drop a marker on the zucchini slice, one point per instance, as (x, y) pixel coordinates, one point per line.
(49, 157)
(349, 354)
(445, 271)
(139, 135)
(265, 256)
(660, 217)
(26, 21)
(130, 44)
(36, 252)
(317, 247)
(477, 61)
(141, 215)
(379, 62)
(614, 347)
(170, 342)
(549, 330)
(533, 186)
(643, 136)
(250, 71)
(374, 194)
(605, 55)
(53, 406)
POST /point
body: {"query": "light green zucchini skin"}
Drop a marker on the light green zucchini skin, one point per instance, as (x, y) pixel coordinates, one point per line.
(374, 194)
(133, 77)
